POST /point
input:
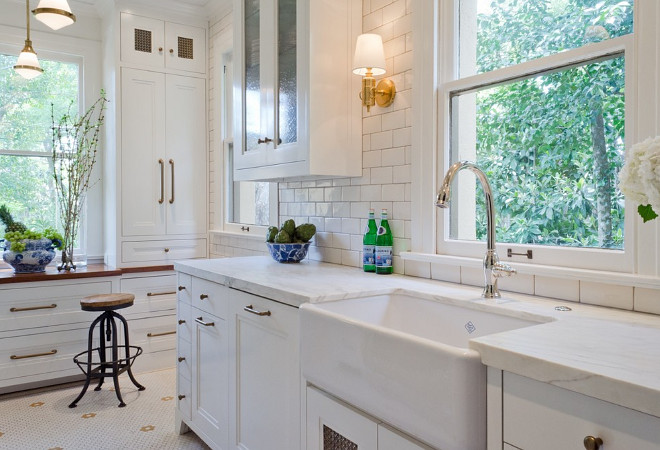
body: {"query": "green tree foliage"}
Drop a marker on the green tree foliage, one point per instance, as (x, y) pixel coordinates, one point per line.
(552, 145)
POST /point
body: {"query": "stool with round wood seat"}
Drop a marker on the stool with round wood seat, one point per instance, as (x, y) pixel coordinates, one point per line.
(118, 363)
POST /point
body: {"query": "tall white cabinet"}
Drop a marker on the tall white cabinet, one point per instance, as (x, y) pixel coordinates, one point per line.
(156, 140)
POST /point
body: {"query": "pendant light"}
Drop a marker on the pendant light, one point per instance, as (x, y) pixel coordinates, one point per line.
(55, 14)
(27, 65)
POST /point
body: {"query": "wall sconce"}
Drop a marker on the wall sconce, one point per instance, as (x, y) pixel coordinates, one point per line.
(27, 65)
(369, 60)
(55, 14)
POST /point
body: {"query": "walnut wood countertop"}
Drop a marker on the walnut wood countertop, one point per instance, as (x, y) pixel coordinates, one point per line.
(7, 275)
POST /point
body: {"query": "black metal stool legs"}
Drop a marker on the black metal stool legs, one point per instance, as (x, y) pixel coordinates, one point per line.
(90, 341)
(127, 346)
(104, 325)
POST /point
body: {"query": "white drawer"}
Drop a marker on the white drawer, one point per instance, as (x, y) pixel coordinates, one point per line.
(184, 288)
(154, 334)
(540, 416)
(152, 294)
(184, 322)
(184, 358)
(184, 396)
(163, 251)
(210, 297)
(53, 305)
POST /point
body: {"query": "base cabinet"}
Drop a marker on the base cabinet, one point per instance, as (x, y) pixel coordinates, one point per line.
(335, 425)
(540, 416)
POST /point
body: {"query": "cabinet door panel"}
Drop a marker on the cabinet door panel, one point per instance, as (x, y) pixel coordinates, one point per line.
(186, 155)
(185, 47)
(142, 40)
(142, 140)
(389, 439)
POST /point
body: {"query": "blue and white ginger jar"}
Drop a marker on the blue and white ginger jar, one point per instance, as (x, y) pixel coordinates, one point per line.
(37, 255)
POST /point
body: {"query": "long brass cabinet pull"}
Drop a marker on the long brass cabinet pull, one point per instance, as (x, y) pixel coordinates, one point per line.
(154, 294)
(592, 443)
(161, 334)
(250, 309)
(33, 308)
(34, 355)
(206, 324)
(162, 181)
(172, 166)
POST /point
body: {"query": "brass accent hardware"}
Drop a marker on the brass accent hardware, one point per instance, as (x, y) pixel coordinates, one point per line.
(34, 355)
(182, 288)
(172, 165)
(153, 294)
(510, 253)
(250, 309)
(172, 50)
(203, 296)
(160, 49)
(265, 140)
(592, 443)
(33, 308)
(181, 321)
(181, 359)
(161, 334)
(181, 397)
(166, 249)
(162, 181)
(206, 324)
(58, 11)
(245, 229)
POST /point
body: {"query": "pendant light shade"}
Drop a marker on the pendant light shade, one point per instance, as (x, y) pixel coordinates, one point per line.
(55, 14)
(27, 64)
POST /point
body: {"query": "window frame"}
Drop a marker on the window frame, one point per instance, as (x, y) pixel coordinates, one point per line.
(448, 82)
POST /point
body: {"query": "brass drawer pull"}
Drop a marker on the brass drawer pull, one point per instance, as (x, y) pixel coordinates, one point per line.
(153, 294)
(181, 396)
(34, 355)
(203, 296)
(162, 181)
(33, 308)
(161, 334)
(181, 321)
(206, 324)
(181, 359)
(592, 443)
(172, 166)
(182, 288)
(250, 309)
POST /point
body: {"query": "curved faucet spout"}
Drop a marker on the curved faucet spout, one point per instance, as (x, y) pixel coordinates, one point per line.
(493, 269)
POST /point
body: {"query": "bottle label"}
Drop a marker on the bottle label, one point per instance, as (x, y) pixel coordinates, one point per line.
(384, 256)
(381, 231)
(368, 258)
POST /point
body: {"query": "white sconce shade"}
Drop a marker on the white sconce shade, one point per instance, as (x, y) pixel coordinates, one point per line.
(55, 14)
(27, 64)
(369, 54)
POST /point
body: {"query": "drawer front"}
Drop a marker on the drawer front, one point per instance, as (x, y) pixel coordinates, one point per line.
(154, 334)
(184, 322)
(211, 297)
(184, 358)
(36, 307)
(541, 416)
(184, 396)
(152, 294)
(184, 288)
(166, 251)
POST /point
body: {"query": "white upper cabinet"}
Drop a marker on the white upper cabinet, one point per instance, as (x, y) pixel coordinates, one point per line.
(296, 111)
(159, 44)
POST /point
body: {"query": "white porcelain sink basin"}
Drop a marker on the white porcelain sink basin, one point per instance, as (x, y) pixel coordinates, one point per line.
(405, 359)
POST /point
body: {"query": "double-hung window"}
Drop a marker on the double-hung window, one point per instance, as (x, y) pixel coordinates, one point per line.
(538, 98)
(26, 174)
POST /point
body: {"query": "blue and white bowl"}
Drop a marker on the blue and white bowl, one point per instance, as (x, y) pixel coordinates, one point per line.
(37, 255)
(288, 253)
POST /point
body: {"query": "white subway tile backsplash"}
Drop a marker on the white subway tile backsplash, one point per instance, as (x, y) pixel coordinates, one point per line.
(560, 288)
(332, 194)
(379, 4)
(401, 174)
(316, 194)
(324, 209)
(395, 47)
(394, 193)
(341, 209)
(360, 209)
(647, 300)
(381, 140)
(301, 195)
(401, 137)
(350, 193)
(394, 156)
(417, 269)
(472, 276)
(350, 226)
(371, 193)
(394, 10)
(287, 195)
(381, 175)
(356, 242)
(372, 124)
(333, 224)
(521, 283)
(443, 272)
(351, 258)
(342, 241)
(323, 239)
(372, 21)
(372, 158)
(394, 119)
(308, 209)
(341, 182)
(606, 295)
(318, 222)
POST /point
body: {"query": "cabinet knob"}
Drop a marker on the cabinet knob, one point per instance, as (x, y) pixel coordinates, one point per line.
(167, 249)
(181, 396)
(160, 49)
(592, 443)
(181, 359)
(181, 288)
(181, 321)
(171, 50)
(203, 296)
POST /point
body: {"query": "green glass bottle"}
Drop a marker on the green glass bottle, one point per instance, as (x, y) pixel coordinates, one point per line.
(369, 244)
(384, 246)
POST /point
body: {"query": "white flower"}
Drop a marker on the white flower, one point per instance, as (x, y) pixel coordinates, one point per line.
(639, 178)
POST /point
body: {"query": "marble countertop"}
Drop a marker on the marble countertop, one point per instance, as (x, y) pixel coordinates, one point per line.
(605, 353)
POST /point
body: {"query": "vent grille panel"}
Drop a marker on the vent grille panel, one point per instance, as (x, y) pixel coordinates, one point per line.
(335, 441)
(185, 48)
(142, 40)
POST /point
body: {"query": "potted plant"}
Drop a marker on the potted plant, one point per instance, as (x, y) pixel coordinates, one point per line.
(75, 144)
(27, 251)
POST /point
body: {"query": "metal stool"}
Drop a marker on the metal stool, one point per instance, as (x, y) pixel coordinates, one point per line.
(107, 303)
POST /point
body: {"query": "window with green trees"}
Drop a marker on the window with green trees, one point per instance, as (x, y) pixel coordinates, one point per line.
(539, 104)
(26, 180)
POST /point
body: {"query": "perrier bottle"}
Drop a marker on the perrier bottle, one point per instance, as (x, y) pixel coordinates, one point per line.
(384, 246)
(369, 244)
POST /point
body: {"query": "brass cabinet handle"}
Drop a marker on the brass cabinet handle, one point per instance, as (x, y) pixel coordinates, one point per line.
(34, 355)
(154, 294)
(181, 358)
(182, 288)
(203, 296)
(172, 166)
(161, 334)
(33, 308)
(592, 443)
(181, 321)
(206, 324)
(162, 181)
(265, 140)
(250, 309)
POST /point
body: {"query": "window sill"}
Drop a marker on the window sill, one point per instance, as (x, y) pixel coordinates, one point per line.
(597, 276)
(257, 236)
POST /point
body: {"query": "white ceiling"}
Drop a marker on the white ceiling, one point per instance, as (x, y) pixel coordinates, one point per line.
(207, 6)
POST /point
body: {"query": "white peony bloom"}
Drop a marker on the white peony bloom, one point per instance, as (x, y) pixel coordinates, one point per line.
(639, 178)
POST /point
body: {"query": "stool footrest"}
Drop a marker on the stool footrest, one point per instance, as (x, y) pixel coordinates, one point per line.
(123, 364)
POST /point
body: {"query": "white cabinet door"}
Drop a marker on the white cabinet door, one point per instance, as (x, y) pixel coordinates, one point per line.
(142, 164)
(210, 378)
(390, 439)
(185, 47)
(142, 40)
(265, 375)
(332, 424)
(186, 154)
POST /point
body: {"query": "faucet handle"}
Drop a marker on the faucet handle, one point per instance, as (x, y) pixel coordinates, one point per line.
(501, 270)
